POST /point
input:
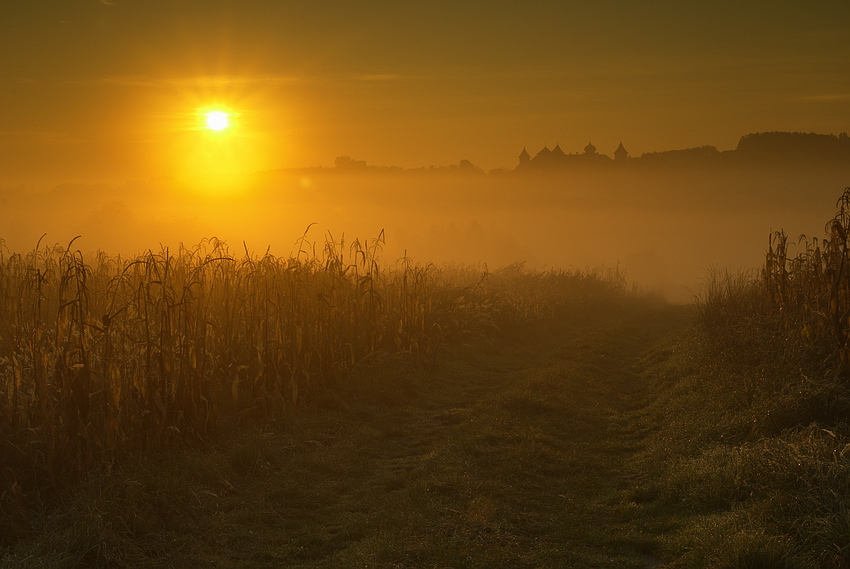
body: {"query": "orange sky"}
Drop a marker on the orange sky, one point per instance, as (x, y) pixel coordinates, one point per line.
(108, 90)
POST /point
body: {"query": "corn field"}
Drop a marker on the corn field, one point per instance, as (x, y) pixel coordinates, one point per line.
(811, 291)
(111, 354)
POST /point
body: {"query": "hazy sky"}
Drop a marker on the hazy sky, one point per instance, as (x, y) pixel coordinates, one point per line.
(110, 90)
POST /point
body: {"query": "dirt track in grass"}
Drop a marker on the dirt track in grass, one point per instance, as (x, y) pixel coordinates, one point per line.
(514, 452)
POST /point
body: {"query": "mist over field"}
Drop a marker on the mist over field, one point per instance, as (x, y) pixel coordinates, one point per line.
(243, 322)
(665, 227)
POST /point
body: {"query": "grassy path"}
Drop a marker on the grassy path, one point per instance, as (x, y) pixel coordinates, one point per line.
(514, 453)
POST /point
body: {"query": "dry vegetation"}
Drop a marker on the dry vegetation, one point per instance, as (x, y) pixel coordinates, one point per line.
(758, 442)
(811, 291)
(107, 356)
(727, 447)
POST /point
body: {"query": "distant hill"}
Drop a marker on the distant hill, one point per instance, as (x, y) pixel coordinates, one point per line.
(755, 148)
(760, 148)
(794, 146)
(697, 155)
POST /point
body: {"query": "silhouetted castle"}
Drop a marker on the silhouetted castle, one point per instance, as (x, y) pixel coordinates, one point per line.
(556, 157)
(781, 148)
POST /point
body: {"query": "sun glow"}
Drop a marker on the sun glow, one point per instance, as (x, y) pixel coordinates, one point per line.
(217, 120)
(214, 145)
(218, 150)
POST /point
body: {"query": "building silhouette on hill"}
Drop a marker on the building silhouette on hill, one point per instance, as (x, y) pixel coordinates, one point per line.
(621, 154)
(556, 157)
(774, 148)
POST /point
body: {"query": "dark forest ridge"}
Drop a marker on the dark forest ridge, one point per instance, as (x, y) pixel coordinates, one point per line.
(758, 148)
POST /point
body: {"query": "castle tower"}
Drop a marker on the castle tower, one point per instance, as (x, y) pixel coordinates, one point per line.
(590, 150)
(524, 157)
(557, 153)
(621, 154)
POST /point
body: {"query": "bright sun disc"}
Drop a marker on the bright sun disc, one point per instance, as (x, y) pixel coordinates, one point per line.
(218, 120)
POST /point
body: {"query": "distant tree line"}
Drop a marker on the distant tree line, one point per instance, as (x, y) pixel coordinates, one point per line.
(794, 146)
(755, 148)
(698, 154)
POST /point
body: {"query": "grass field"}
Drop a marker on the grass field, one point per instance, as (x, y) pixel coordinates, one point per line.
(443, 418)
(509, 454)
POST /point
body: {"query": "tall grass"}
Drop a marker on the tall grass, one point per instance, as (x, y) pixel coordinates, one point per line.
(142, 351)
(773, 464)
(104, 355)
(798, 303)
(810, 291)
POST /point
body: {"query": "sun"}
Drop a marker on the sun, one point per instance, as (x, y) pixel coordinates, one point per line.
(217, 120)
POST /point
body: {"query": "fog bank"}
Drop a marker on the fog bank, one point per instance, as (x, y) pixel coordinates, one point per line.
(664, 227)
